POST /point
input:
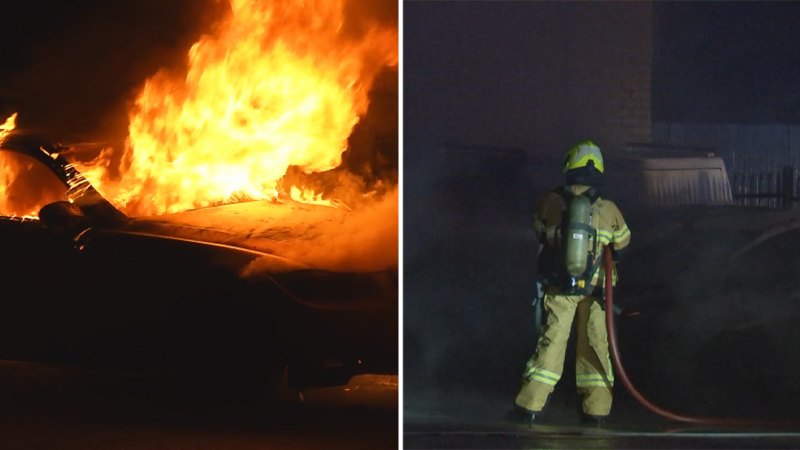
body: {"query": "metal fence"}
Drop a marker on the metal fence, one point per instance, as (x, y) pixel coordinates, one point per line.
(771, 189)
(762, 160)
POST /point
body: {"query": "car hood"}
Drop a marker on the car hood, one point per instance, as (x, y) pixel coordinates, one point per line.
(300, 235)
(310, 236)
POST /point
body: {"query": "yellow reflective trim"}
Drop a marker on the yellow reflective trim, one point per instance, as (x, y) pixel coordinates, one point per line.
(542, 379)
(604, 237)
(593, 384)
(552, 374)
(594, 380)
(595, 377)
(544, 376)
(547, 373)
(622, 233)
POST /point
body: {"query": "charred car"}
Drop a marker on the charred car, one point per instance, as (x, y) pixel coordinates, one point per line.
(230, 289)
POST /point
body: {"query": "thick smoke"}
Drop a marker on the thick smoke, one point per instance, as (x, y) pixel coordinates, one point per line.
(714, 307)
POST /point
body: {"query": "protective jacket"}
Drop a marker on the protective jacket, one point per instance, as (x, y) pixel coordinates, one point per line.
(549, 221)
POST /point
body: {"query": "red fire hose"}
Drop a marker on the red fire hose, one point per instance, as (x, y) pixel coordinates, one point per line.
(622, 375)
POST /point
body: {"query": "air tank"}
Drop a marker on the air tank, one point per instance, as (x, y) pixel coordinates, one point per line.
(578, 233)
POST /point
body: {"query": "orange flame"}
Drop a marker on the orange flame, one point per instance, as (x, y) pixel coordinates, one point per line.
(7, 126)
(25, 185)
(309, 196)
(9, 170)
(280, 84)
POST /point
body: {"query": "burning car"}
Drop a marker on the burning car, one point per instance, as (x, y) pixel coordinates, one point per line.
(245, 289)
(204, 241)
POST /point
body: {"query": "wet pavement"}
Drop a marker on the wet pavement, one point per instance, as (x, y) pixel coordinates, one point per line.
(64, 407)
(466, 420)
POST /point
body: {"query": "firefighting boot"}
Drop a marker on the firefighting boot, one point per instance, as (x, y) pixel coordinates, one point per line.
(589, 419)
(523, 416)
(593, 421)
(526, 416)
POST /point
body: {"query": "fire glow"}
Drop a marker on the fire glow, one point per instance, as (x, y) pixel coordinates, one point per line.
(10, 169)
(7, 126)
(279, 85)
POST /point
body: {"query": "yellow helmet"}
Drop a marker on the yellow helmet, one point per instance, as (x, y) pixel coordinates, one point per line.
(581, 154)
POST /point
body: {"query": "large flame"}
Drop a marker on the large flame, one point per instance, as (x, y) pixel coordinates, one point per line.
(281, 84)
(25, 184)
(9, 172)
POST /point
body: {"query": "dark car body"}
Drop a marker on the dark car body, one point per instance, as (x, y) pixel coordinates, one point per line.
(86, 284)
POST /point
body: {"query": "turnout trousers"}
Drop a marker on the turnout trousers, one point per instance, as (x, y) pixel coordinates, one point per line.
(593, 371)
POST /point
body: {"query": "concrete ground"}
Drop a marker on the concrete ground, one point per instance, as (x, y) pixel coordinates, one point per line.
(62, 407)
(464, 420)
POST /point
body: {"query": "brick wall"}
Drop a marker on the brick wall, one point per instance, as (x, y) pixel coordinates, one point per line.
(611, 57)
(532, 75)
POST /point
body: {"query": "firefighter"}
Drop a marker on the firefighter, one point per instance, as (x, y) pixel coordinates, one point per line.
(573, 225)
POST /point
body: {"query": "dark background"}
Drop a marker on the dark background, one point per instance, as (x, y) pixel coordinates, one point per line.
(726, 62)
(494, 93)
